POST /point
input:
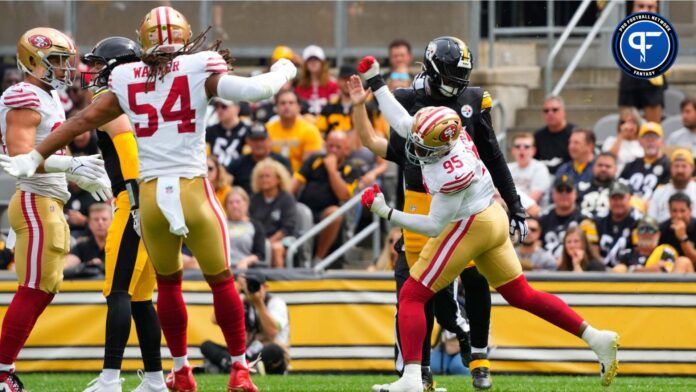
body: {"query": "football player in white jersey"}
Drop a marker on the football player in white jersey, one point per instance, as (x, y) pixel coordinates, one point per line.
(166, 96)
(30, 111)
(464, 224)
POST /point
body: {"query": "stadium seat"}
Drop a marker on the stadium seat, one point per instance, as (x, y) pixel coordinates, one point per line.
(673, 99)
(305, 221)
(671, 124)
(605, 127)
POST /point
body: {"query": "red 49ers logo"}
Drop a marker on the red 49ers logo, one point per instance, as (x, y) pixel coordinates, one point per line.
(448, 133)
(40, 41)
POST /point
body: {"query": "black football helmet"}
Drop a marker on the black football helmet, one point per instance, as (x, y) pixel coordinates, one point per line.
(447, 63)
(109, 52)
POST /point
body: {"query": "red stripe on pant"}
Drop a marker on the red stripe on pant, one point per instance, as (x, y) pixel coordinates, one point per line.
(439, 250)
(445, 260)
(39, 255)
(30, 243)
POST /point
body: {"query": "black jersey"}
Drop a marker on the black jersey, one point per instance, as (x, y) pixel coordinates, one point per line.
(112, 163)
(554, 226)
(473, 107)
(593, 198)
(644, 177)
(615, 237)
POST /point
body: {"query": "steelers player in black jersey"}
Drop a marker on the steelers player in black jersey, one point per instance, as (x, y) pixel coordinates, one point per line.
(445, 82)
(130, 277)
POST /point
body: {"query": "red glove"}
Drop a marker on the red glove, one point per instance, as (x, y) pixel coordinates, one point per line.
(368, 197)
(368, 67)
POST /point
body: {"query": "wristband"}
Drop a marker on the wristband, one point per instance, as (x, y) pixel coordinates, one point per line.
(685, 239)
(375, 82)
(391, 210)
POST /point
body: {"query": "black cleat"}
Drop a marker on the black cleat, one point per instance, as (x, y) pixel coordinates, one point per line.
(480, 372)
(465, 348)
(427, 377)
(10, 382)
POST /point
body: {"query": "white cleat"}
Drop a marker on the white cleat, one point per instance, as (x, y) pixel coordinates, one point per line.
(401, 385)
(147, 385)
(605, 345)
(99, 385)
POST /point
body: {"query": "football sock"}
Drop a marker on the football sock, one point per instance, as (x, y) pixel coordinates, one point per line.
(589, 334)
(149, 335)
(479, 350)
(25, 308)
(4, 367)
(118, 325)
(171, 310)
(477, 303)
(412, 323)
(229, 312)
(154, 377)
(239, 358)
(180, 362)
(110, 374)
(412, 371)
(520, 294)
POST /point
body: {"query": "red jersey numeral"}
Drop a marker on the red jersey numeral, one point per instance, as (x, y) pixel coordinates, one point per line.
(184, 115)
(452, 163)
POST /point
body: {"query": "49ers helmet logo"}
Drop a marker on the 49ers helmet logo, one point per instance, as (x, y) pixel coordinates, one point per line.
(40, 41)
(448, 133)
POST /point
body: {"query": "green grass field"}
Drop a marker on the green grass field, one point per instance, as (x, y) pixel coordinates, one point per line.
(64, 382)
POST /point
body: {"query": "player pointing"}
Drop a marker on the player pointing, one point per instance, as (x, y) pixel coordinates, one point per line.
(165, 96)
(464, 224)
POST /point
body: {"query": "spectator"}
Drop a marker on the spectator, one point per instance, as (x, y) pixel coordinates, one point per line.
(581, 149)
(247, 237)
(400, 58)
(681, 169)
(679, 231)
(314, 84)
(646, 173)
(686, 136)
(293, 137)
(10, 77)
(337, 114)
(397, 80)
(616, 230)
(562, 216)
(77, 209)
(219, 179)
(273, 206)
(530, 252)
(259, 144)
(226, 138)
(387, 259)
(84, 144)
(267, 328)
(643, 94)
(648, 256)
(552, 140)
(578, 255)
(328, 180)
(593, 196)
(625, 145)
(6, 255)
(86, 258)
(531, 176)
(445, 357)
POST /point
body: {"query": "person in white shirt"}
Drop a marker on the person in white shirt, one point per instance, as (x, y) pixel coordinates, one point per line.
(625, 145)
(682, 169)
(531, 176)
(686, 136)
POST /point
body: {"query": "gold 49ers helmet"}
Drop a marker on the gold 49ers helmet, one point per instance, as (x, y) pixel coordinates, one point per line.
(434, 132)
(164, 30)
(42, 51)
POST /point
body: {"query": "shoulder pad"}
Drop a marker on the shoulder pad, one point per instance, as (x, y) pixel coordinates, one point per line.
(214, 62)
(20, 96)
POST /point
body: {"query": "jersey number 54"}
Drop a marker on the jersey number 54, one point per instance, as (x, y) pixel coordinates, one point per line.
(185, 116)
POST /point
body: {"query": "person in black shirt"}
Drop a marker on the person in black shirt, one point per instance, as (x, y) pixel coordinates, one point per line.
(680, 230)
(646, 173)
(593, 196)
(89, 250)
(273, 206)
(617, 230)
(226, 138)
(259, 149)
(327, 180)
(84, 144)
(552, 140)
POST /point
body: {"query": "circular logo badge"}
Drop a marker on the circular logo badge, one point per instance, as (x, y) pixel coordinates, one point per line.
(448, 133)
(645, 45)
(40, 41)
(467, 111)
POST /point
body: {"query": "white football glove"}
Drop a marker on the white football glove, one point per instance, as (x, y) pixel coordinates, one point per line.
(368, 67)
(285, 67)
(91, 166)
(100, 188)
(22, 165)
(373, 199)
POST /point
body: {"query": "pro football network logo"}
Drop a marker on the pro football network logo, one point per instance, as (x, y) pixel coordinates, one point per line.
(645, 45)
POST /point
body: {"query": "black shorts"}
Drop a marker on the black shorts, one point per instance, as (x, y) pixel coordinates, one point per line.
(640, 93)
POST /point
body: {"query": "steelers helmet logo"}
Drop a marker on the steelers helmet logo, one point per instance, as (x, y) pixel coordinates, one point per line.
(467, 111)
(40, 41)
(430, 50)
(448, 133)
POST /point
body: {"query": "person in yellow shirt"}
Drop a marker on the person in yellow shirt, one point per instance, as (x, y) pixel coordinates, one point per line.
(291, 135)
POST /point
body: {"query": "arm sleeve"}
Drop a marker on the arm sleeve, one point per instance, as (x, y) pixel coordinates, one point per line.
(127, 150)
(442, 210)
(255, 88)
(289, 215)
(258, 246)
(396, 115)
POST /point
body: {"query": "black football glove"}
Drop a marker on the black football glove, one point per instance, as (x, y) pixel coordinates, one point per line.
(518, 221)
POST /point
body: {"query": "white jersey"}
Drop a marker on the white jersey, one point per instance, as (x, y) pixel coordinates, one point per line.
(27, 96)
(169, 119)
(461, 170)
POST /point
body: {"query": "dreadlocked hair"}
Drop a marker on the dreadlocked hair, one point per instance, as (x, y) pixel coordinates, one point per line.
(160, 63)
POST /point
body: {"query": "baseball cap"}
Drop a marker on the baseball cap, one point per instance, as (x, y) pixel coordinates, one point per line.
(282, 52)
(258, 131)
(619, 188)
(222, 101)
(683, 154)
(651, 127)
(346, 71)
(563, 182)
(313, 51)
(648, 225)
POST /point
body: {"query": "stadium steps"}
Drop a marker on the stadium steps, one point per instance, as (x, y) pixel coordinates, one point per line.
(584, 95)
(581, 115)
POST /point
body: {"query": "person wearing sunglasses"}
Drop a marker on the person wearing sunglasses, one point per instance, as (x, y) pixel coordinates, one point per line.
(532, 255)
(531, 176)
(552, 139)
(226, 138)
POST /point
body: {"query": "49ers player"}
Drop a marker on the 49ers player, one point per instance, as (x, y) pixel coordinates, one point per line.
(165, 95)
(30, 111)
(464, 224)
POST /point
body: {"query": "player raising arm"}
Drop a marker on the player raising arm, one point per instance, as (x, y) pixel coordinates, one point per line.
(464, 224)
